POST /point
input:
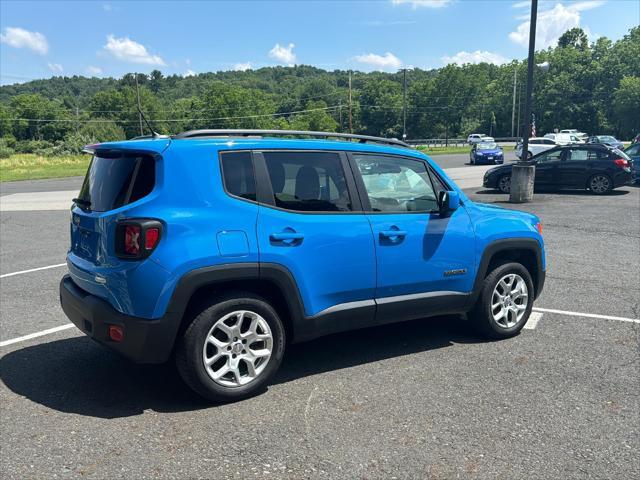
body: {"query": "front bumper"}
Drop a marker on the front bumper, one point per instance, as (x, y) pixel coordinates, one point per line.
(144, 341)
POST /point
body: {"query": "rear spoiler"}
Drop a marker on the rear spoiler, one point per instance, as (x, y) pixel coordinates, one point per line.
(143, 145)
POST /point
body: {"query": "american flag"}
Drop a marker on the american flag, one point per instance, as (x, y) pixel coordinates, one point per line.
(533, 125)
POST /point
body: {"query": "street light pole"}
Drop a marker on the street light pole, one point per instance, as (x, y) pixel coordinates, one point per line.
(523, 174)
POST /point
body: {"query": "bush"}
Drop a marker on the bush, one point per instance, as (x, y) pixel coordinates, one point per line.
(32, 146)
(6, 152)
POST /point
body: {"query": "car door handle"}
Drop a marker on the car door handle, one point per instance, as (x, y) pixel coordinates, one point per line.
(393, 234)
(287, 238)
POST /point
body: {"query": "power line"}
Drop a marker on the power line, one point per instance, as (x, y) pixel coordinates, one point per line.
(240, 117)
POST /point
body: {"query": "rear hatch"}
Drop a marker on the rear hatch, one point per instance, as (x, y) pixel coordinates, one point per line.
(115, 179)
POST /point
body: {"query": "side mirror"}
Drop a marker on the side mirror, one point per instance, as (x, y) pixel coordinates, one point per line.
(448, 201)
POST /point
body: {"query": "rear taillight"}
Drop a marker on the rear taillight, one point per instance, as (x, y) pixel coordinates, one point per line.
(132, 239)
(137, 238)
(621, 162)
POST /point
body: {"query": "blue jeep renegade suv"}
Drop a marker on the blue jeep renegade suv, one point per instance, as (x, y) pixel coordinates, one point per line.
(220, 247)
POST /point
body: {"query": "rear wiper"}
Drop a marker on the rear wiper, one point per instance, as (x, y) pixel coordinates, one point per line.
(82, 202)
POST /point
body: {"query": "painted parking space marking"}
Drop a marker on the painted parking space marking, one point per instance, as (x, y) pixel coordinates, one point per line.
(534, 318)
(36, 335)
(587, 315)
(57, 265)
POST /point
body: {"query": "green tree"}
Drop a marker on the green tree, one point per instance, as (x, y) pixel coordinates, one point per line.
(381, 108)
(626, 105)
(575, 38)
(316, 119)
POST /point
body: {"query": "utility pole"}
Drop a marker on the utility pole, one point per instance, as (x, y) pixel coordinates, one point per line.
(519, 102)
(77, 119)
(139, 107)
(350, 114)
(404, 104)
(523, 173)
(513, 109)
(340, 112)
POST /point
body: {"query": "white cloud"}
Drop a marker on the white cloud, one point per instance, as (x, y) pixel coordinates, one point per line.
(552, 23)
(242, 67)
(189, 73)
(283, 54)
(20, 38)
(525, 3)
(55, 67)
(388, 61)
(423, 3)
(479, 56)
(91, 70)
(127, 50)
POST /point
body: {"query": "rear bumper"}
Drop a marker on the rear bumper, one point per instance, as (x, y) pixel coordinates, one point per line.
(145, 341)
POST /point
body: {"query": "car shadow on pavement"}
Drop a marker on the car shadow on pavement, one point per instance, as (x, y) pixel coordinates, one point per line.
(76, 375)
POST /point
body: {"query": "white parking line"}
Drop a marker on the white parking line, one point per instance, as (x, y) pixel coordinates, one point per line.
(587, 315)
(36, 335)
(33, 270)
(531, 324)
(534, 318)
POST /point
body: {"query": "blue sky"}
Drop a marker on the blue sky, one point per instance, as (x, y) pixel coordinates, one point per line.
(110, 38)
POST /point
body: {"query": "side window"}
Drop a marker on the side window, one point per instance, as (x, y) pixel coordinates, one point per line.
(237, 174)
(550, 156)
(396, 184)
(578, 155)
(308, 181)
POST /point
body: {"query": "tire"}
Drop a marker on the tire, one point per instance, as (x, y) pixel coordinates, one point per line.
(472, 160)
(529, 155)
(484, 314)
(207, 338)
(504, 183)
(600, 184)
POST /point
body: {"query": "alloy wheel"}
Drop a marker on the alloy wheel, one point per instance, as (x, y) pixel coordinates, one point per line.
(600, 184)
(504, 184)
(237, 348)
(509, 300)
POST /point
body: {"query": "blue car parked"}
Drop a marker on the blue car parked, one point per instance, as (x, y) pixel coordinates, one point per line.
(633, 152)
(223, 246)
(486, 153)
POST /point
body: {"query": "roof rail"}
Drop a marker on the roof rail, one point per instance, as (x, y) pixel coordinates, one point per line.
(289, 133)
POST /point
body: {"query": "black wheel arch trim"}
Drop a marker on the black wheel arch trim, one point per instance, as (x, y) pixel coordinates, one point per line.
(507, 245)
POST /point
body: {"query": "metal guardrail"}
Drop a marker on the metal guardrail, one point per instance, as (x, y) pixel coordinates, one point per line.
(454, 142)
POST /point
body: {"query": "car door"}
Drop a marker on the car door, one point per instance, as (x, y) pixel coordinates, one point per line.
(423, 260)
(547, 168)
(579, 163)
(311, 224)
(574, 166)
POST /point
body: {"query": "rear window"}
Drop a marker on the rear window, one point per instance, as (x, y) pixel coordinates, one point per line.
(116, 179)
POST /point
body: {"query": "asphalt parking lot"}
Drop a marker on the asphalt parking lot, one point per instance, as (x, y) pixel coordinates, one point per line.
(424, 399)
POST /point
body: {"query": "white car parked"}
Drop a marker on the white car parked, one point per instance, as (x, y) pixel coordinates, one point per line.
(477, 138)
(572, 131)
(536, 145)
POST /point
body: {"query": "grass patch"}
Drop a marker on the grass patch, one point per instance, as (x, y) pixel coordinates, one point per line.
(444, 150)
(29, 166)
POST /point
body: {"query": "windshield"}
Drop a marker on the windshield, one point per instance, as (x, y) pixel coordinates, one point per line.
(116, 180)
(607, 138)
(487, 146)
